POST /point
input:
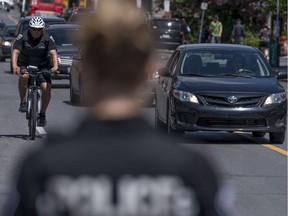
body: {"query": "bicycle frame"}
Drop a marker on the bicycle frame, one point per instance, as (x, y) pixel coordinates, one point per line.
(33, 99)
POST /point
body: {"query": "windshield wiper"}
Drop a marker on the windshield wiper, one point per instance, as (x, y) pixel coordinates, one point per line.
(237, 75)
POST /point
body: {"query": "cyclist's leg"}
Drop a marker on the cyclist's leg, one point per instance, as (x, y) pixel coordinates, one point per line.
(22, 88)
(45, 85)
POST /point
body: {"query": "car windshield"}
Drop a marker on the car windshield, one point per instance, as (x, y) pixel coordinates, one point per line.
(26, 24)
(224, 63)
(64, 37)
(10, 30)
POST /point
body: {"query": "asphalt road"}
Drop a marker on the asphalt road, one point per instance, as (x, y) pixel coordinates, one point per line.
(256, 169)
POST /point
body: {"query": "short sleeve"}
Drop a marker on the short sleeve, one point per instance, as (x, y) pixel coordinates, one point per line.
(18, 42)
(52, 44)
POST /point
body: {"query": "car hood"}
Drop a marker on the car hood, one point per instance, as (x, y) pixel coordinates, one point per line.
(67, 50)
(208, 84)
(7, 38)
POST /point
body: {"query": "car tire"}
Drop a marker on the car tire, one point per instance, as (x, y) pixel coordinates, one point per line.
(170, 130)
(73, 97)
(159, 125)
(258, 134)
(277, 137)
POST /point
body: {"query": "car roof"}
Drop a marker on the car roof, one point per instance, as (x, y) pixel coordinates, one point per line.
(217, 46)
(64, 25)
(45, 18)
(164, 19)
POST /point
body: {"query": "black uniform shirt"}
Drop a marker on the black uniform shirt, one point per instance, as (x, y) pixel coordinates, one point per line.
(117, 168)
(34, 51)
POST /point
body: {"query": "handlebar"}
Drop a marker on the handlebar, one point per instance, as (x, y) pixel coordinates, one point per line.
(34, 70)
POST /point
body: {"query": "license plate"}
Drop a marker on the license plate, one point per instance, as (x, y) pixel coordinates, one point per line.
(166, 36)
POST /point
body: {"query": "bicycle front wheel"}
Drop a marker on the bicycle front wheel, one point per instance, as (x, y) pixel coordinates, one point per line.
(33, 115)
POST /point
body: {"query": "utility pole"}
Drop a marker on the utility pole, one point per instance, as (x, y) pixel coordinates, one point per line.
(204, 6)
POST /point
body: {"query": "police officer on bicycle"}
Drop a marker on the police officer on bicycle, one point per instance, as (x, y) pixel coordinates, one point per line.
(35, 47)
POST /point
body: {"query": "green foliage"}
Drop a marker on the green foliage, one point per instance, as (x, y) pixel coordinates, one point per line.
(251, 39)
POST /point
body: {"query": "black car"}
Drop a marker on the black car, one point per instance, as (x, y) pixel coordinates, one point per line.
(167, 32)
(221, 87)
(66, 42)
(23, 25)
(6, 36)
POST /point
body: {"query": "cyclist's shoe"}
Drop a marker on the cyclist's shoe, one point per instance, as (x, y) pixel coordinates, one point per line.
(41, 120)
(23, 107)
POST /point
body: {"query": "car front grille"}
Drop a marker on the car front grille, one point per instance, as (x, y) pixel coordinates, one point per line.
(230, 123)
(226, 100)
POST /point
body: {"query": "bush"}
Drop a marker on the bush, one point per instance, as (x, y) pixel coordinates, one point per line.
(251, 39)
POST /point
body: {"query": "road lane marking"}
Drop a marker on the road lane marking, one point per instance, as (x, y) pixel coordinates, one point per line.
(41, 131)
(274, 148)
(12, 19)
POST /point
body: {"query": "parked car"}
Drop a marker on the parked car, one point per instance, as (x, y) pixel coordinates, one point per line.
(167, 32)
(7, 4)
(79, 92)
(81, 16)
(23, 25)
(221, 87)
(2, 25)
(66, 41)
(6, 36)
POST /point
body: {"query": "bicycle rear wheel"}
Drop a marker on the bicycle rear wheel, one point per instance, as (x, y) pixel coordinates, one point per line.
(33, 116)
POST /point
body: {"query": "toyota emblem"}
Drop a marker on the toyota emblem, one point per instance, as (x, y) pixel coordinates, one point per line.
(232, 99)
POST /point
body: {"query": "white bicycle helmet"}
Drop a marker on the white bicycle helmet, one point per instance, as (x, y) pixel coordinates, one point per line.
(37, 22)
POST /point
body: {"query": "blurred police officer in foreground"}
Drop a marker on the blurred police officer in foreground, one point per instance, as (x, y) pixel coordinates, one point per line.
(115, 163)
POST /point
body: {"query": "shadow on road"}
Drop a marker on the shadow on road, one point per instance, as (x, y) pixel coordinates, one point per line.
(17, 136)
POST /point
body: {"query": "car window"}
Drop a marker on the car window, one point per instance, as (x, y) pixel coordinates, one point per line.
(64, 37)
(219, 62)
(47, 1)
(165, 24)
(25, 25)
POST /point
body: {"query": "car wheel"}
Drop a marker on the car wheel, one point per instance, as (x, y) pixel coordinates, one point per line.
(159, 125)
(73, 97)
(277, 137)
(258, 134)
(170, 130)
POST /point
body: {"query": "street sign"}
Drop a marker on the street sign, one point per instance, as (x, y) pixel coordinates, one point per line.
(204, 6)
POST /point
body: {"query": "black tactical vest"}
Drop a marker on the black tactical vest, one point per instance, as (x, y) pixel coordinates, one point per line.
(34, 52)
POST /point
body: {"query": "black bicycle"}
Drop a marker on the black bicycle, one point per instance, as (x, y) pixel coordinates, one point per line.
(33, 99)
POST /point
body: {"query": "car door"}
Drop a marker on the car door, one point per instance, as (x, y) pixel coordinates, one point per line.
(164, 86)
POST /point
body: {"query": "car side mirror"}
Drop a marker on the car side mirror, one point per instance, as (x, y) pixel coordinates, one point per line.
(165, 72)
(282, 75)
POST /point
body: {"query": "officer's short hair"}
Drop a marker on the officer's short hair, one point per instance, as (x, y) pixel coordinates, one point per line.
(117, 45)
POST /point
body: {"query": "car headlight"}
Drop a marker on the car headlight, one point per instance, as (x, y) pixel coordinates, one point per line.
(275, 99)
(185, 96)
(5, 43)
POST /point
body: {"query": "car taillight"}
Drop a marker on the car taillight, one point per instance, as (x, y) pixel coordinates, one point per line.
(58, 9)
(182, 35)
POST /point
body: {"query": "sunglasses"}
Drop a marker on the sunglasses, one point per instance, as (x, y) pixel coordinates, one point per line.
(36, 29)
